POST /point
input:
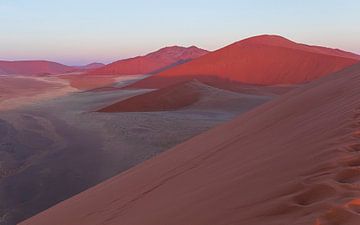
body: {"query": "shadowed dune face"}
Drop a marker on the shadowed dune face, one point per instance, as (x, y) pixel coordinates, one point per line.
(171, 98)
(32, 68)
(151, 63)
(266, 60)
(292, 161)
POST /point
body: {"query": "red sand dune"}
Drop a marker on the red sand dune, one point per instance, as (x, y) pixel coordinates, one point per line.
(190, 93)
(153, 62)
(294, 160)
(32, 67)
(166, 99)
(265, 60)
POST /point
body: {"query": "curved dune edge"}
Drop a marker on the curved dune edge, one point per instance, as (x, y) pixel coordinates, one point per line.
(293, 161)
(170, 98)
(187, 94)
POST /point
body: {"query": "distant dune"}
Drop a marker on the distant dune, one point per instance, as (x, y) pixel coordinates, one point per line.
(90, 66)
(291, 161)
(32, 68)
(151, 63)
(265, 60)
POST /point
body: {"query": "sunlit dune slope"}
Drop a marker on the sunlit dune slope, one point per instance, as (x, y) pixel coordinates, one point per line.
(265, 60)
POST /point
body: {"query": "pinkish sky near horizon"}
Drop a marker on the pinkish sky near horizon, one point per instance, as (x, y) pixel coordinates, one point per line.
(77, 32)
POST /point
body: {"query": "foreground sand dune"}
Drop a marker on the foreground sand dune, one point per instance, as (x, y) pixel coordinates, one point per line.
(265, 59)
(292, 161)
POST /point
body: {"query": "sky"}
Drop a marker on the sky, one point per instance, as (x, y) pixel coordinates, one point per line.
(76, 32)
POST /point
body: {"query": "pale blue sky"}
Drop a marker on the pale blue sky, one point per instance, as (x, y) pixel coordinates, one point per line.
(83, 31)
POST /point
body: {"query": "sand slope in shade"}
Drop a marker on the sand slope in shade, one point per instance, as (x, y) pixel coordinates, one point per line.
(32, 67)
(180, 96)
(265, 59)
(292, 161)
(152, 62)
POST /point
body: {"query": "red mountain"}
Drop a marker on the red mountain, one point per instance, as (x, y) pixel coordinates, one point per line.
(153, 62)
(294, 160)
(265, 60)
(32, 67)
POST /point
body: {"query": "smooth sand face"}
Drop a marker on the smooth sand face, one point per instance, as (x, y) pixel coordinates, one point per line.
(67, 147)
(292, 161)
